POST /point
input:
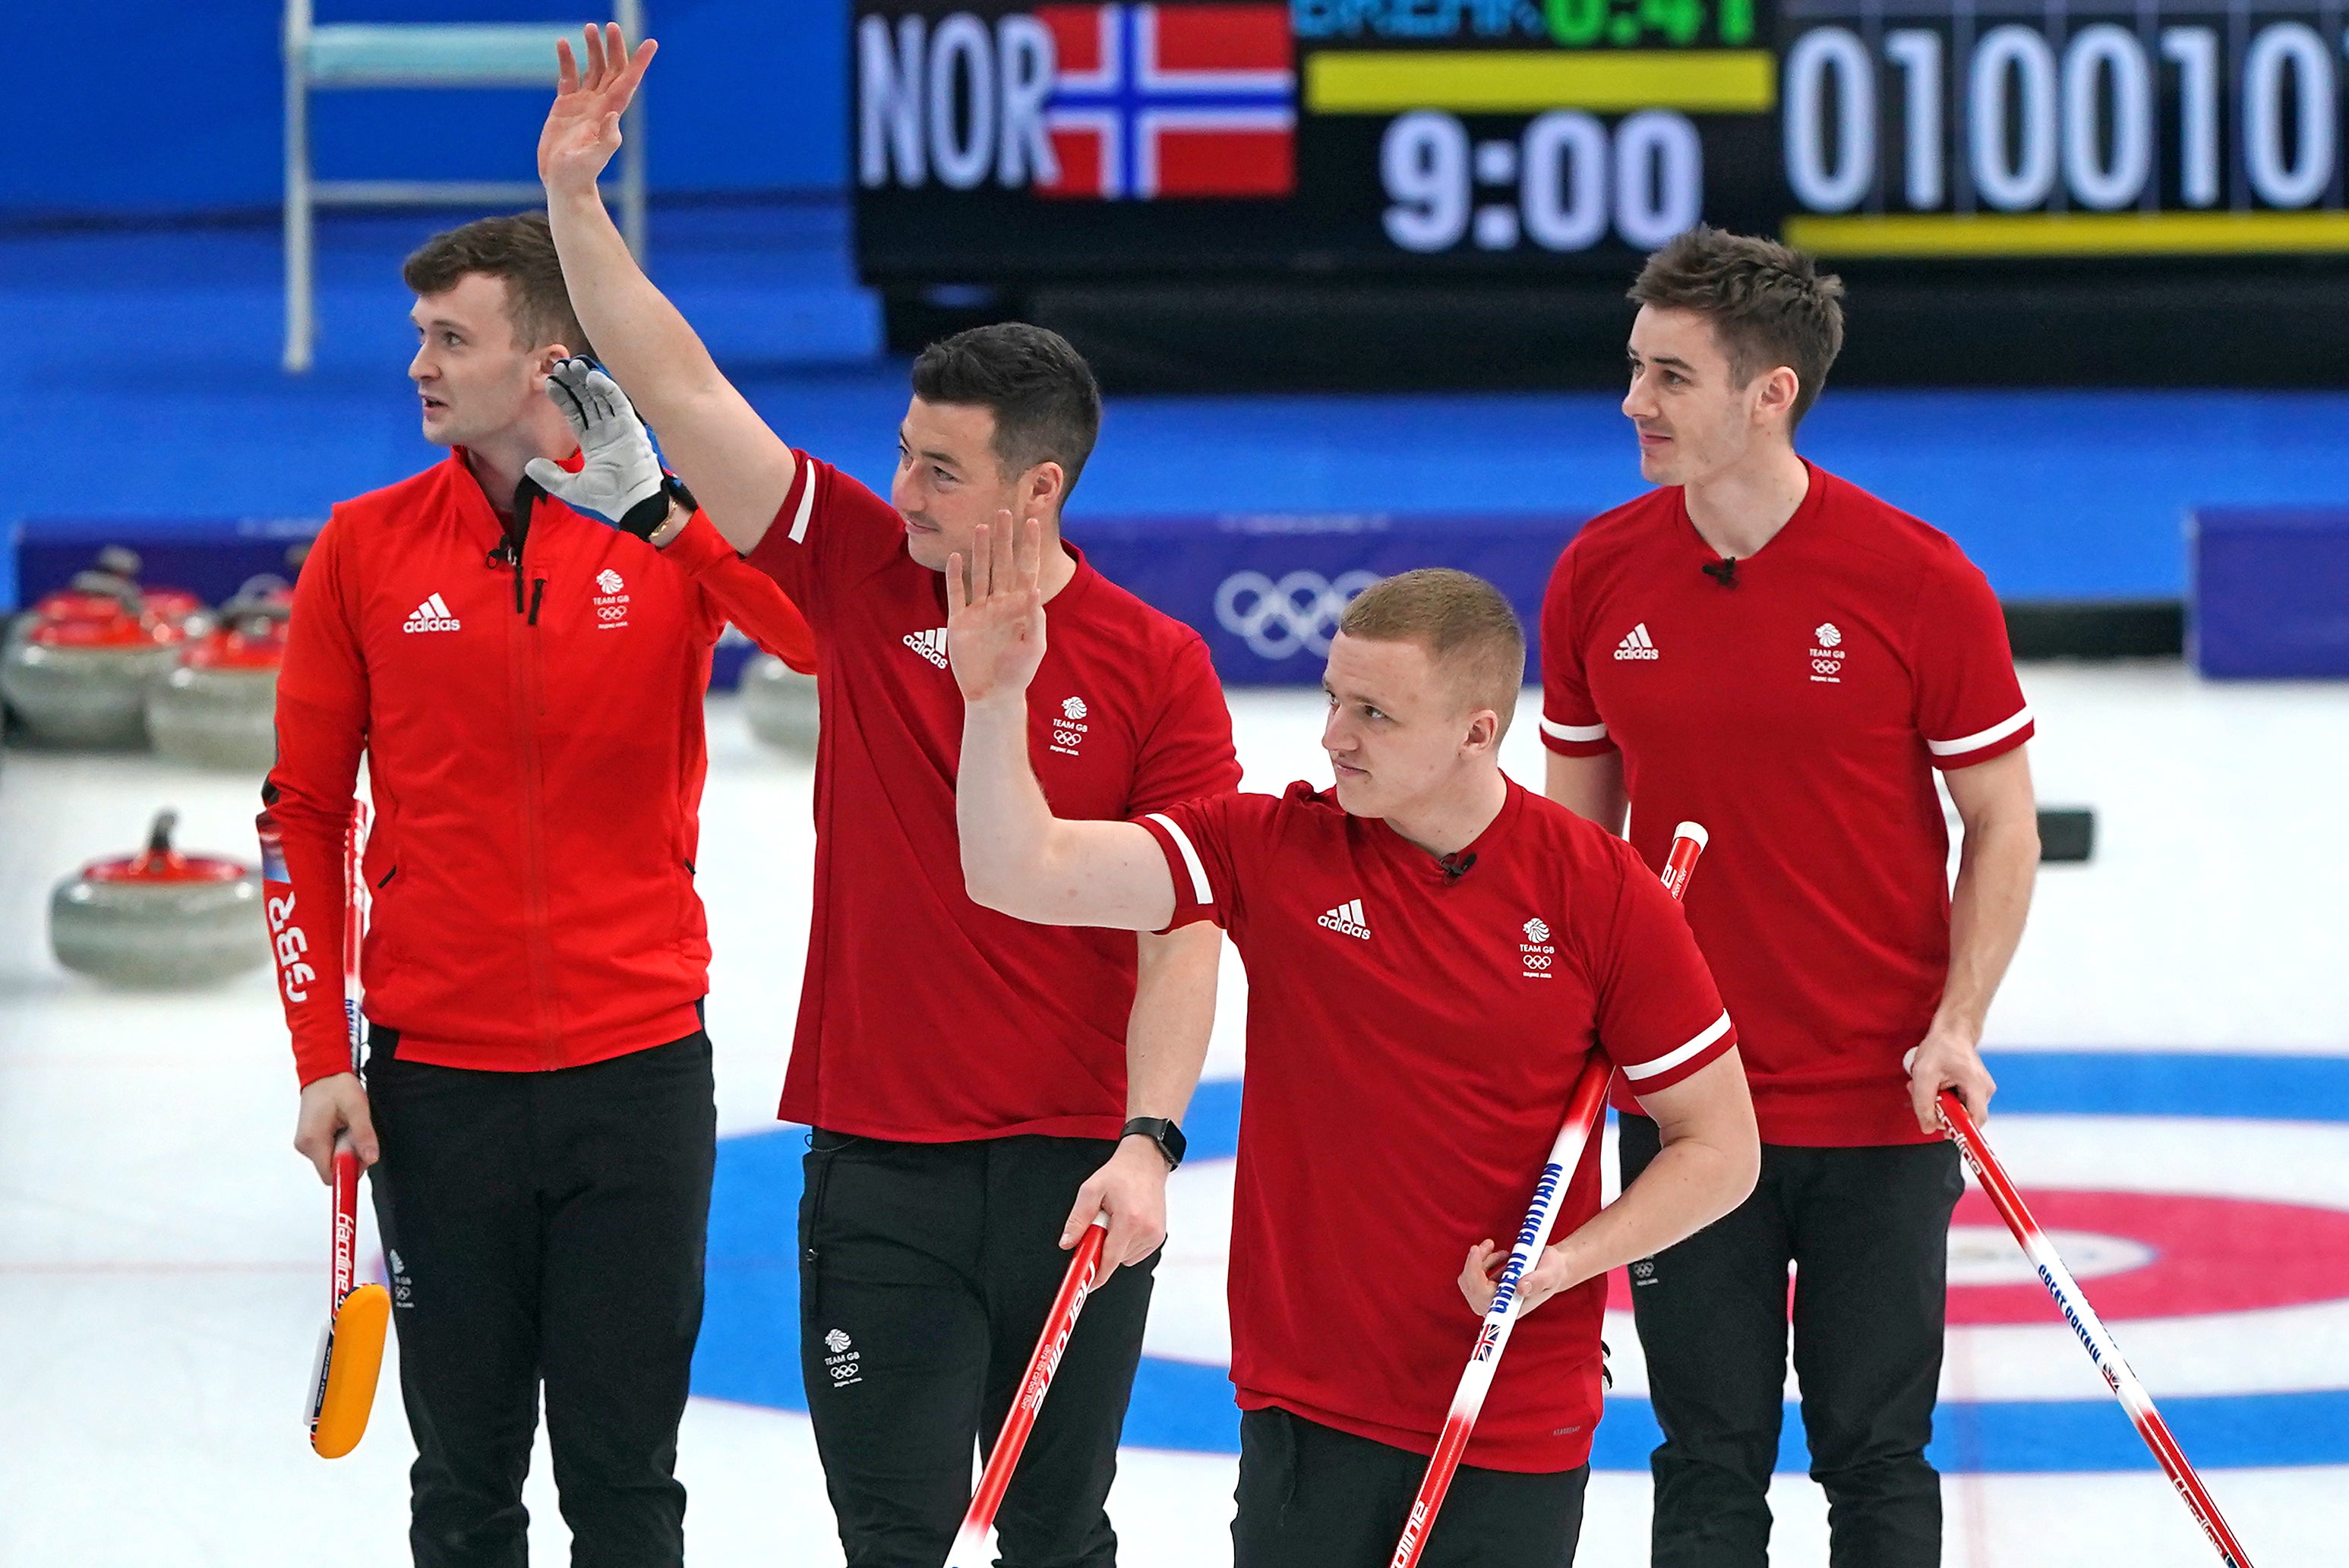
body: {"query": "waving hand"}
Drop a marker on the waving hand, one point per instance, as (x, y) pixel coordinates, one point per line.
(995, 623)
(582, 128)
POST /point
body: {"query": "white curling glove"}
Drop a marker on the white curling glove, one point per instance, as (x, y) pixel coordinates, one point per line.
(620, 480)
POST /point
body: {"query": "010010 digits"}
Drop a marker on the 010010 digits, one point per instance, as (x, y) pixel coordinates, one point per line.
(2157, 110)
(1568, 181)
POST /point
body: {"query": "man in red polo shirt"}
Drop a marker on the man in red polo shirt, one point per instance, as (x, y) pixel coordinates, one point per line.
(1433, 952)
(1771, 651)
(979, 1088)
(526, 684)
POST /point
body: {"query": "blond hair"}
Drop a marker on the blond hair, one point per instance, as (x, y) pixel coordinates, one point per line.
(1465, 624)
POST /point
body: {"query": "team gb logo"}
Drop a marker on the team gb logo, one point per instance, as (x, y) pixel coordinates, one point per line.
(1828, 634)
(1074, 708)
(1537, 932)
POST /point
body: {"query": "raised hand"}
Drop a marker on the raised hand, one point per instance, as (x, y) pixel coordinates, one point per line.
(618, 473)
(995, 620)
(582, 128)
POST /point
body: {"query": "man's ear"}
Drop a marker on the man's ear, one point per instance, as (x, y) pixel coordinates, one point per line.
(1047, 485)
(1779, 390)
(1483, 729)
(552, 354)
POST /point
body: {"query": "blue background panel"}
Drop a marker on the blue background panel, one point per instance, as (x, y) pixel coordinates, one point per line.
(2271, 593)
(750, 95)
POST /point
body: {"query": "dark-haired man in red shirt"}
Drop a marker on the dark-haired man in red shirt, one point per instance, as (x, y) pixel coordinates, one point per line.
(1771, 651)
(1432, 953)
(979, 1089)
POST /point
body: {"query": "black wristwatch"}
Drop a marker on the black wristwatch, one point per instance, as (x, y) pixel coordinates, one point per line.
(645, 519)
(1161, 1131)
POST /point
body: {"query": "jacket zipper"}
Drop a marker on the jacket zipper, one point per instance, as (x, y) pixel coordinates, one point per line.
(524, 686)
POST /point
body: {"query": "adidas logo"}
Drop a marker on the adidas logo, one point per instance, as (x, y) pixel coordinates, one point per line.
(432, 615)
(931, 646)
(1348, 919)
(1637, 645)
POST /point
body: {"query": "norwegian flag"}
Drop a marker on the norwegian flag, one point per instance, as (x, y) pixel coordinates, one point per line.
(1171, 101)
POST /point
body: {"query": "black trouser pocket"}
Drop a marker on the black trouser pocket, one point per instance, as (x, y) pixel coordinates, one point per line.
(815, 1175)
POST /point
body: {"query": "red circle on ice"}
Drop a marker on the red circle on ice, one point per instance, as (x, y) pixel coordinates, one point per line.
(2204, 1255)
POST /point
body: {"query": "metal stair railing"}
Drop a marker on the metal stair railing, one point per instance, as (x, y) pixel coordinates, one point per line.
(360, 55)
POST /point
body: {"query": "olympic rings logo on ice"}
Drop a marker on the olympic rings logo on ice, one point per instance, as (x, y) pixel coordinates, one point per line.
(1300, 613)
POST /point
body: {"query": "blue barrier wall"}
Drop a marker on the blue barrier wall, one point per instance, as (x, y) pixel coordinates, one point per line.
(137, 106)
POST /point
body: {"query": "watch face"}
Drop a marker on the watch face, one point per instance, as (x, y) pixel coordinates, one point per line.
(1161, 1131)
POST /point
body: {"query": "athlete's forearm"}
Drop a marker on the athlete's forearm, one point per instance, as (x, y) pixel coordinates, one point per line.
(1710, 1159)
(639, 337)
(1996, 871)
(1589, 787)
(1000, 815)
(1997, 867)
(1174, 1014)
(1020, 859)
(738, 470)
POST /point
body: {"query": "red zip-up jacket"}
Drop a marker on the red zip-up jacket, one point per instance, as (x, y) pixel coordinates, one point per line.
(532, 723)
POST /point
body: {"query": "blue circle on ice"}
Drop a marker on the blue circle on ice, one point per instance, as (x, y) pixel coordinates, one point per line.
(749, 1351)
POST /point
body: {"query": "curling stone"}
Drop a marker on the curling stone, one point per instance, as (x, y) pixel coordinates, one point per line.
(159, 917)
(781, 705)
(114, 575)
(79, 677)
(219, 708)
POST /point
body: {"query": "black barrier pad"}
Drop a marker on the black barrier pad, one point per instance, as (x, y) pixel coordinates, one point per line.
(2066, 833)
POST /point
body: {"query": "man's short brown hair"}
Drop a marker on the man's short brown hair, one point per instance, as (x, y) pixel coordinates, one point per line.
(519, 250)
(1464, 624)
(1041, 392)
(1769, 304)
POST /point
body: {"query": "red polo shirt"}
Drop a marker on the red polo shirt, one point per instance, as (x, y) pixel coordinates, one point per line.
(1800, 714)
(924, 1017)
(1412, 1038)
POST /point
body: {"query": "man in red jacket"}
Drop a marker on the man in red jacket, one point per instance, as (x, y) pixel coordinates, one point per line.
(526, 681)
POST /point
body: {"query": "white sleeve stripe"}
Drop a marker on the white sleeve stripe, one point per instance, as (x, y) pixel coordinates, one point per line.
(807, 502)
(1980, 737)
(1666, 1063)
(1190, 860)
(1574, 731)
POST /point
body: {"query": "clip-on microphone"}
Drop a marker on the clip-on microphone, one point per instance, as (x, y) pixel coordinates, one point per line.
(1723, 571)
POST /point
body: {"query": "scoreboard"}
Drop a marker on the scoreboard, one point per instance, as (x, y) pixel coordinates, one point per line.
(1499, 139)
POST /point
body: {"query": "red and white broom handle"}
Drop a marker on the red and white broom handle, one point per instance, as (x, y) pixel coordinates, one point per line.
(345, 1269)
(2090, 1328)
(1585, 1104)
(970, 1549)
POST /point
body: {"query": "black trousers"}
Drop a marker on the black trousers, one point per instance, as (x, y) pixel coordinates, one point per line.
(925, 1273)
(1866, 1231)
(1313, 1496)
(545, 1227)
